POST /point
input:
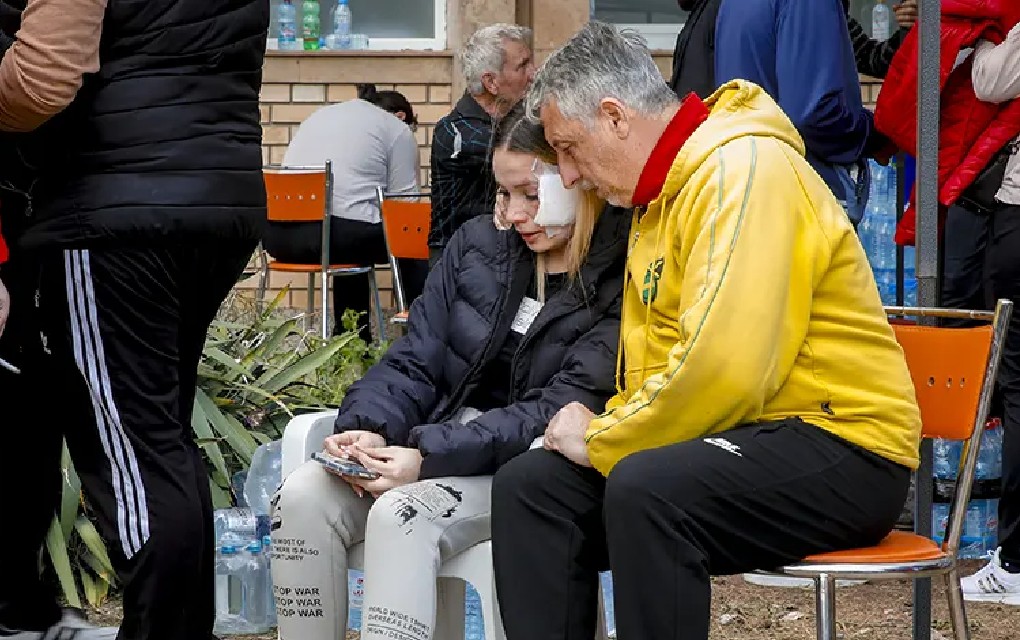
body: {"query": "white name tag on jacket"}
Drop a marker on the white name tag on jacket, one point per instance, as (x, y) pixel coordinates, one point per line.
(526, 315)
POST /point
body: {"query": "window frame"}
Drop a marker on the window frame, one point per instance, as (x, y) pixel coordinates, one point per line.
(437, 43)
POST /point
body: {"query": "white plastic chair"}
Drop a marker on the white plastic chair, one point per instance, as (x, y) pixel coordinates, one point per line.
(303, 437)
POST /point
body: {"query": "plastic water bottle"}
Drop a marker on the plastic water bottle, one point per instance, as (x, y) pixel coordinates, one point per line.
(342, 26)
(474, 624)
(310, 27)
(235, 526)
(989, 462)
(256, 587)
(880, 17)
(909, 276)
(287, 18)
(267, 547)
(355, 598)
(946, 458)
(264, 479)
(230, 576)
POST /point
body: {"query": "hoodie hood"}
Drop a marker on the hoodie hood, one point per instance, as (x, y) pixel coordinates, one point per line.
(737, 109)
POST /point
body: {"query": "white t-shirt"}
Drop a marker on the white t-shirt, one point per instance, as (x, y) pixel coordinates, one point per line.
(369, 147)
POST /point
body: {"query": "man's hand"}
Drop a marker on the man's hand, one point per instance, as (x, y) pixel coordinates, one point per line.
(396, 467)
(906, 13)
(5, 306)
(338, 445)
(565, 433)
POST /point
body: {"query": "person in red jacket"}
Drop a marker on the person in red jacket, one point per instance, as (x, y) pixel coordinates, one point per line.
(983, 256)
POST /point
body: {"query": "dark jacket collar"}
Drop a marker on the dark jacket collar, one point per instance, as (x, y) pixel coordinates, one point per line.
(469, 109)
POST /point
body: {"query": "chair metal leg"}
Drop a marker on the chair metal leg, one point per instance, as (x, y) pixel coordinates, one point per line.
(326, 281)
(377, 300)
(825, 607)
(310, 310)
(957, 608)
(260, 295)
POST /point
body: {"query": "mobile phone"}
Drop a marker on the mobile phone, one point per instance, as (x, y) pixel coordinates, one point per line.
(344, 466)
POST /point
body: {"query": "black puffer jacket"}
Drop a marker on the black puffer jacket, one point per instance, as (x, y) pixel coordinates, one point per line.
(459, 324)
(164, 141)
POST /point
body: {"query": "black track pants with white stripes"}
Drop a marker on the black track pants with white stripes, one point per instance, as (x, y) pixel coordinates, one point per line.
(122, 334)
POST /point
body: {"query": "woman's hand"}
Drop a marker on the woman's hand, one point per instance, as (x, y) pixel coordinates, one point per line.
(339, 445)
(396, 467)
(565, 433)
(906, 13)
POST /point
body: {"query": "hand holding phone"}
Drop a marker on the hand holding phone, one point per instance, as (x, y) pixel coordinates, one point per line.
(344, 466)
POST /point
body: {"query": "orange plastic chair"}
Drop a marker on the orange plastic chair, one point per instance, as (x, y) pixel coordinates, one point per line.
(305, 194)
(954, 374)
(406, 229)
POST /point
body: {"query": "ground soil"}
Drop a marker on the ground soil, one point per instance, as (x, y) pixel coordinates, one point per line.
(743, 611)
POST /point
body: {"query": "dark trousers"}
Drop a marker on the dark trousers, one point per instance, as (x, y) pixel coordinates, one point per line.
(352, 242)
(666, 519)
(120, 334)
(982, 264)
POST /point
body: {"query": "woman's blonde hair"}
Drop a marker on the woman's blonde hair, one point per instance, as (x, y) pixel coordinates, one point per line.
(518, 134)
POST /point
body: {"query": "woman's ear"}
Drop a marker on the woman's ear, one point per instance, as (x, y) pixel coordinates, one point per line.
(401, 115)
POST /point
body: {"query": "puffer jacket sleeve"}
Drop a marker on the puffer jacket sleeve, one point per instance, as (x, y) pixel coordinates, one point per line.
(481, 446)
(400, 391)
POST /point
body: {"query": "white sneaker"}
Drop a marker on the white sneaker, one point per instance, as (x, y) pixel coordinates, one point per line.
(71, 627)
(992, 584)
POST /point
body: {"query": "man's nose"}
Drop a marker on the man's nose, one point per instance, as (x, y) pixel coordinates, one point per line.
(569, 173)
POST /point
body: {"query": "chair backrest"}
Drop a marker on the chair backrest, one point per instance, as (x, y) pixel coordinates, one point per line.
(948, 369)
(954, 372)
(406, 225)
(406, 231)
(298, 194)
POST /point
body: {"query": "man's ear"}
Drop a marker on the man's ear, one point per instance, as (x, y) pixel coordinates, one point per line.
(490, 83)
(616, 116)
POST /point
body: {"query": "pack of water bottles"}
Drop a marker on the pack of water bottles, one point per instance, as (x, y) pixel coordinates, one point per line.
(980, 528)
(876, 232)
(244, 585)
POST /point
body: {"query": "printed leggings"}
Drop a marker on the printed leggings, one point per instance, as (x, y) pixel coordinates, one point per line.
(408, 532)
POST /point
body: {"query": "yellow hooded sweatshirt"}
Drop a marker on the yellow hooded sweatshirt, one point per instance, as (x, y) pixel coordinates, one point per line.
(749, 299)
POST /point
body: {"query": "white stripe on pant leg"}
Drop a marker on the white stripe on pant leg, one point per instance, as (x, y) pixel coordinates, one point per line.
(129, 452)
(92, 365)
(85, 366)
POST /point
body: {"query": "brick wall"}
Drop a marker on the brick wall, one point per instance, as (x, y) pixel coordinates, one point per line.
(295, 85)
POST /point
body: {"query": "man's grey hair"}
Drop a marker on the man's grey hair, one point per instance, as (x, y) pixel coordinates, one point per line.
(485, 53)
(600, 62)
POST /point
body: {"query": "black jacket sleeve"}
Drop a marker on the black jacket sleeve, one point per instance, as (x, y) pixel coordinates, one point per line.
(400, 391)
(873, 57)
(481, 446)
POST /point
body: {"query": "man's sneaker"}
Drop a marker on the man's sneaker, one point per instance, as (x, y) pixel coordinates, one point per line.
(992, 584)
(71, 627)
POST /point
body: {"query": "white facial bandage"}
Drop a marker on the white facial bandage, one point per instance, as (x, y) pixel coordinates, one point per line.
(557, 205)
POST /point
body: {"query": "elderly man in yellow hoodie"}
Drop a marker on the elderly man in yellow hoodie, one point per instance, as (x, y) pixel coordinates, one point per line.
(764, 408)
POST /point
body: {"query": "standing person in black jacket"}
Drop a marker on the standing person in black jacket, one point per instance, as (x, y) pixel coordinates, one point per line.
(513, 325)
(147, 204)
(874, 56)
(498, 67)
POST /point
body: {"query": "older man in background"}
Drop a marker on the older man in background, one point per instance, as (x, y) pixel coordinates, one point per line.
(764, 412)
(498, 67)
